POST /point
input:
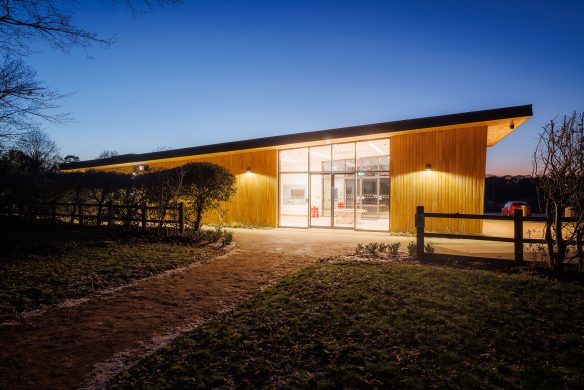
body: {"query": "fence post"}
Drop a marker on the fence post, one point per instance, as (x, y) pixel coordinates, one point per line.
(109, 214)
(518, 235)
(420, 222)
(181, 218)
(72, 213)
(144, 212)
(579, 246)
(80, 214)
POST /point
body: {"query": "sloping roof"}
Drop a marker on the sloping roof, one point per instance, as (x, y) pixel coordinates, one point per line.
(343, 132)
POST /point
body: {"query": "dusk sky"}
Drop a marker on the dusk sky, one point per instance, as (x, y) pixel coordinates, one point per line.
(213, 71)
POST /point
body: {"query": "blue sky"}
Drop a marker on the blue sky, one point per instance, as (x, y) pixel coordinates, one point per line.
(213, 71)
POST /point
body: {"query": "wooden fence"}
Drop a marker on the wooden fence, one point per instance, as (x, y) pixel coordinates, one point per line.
(97, 214)
(517, 238)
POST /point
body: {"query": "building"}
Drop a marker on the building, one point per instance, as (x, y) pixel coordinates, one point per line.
(368, 177)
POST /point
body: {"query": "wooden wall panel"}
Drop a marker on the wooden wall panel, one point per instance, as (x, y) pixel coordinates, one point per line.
(256, 199)
(455, 184)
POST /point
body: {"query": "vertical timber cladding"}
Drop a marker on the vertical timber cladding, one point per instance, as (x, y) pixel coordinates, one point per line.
(455, 183)
(256, 200)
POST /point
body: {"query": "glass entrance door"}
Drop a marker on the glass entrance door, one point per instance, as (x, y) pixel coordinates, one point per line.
(373, 201)
(344, 200)
(320, 200)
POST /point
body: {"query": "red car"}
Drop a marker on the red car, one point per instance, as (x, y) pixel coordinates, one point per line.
(510, 207)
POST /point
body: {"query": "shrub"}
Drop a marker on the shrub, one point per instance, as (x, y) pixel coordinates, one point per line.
(206, 186)
(394, 248)
(429, 247)
(227, 238)
(208, 236)
(383, 246)
(371, 248)
(360, 249)
(412, 248)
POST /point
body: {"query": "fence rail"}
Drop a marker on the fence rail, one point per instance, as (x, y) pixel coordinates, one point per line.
(107, 213)
(517, 239)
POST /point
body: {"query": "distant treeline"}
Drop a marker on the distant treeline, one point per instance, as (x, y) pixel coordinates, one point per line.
(501, 189)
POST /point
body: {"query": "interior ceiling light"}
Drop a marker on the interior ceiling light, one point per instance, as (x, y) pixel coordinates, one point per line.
(320, 154)
(376, 148)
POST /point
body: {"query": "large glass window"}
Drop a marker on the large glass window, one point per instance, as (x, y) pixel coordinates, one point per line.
(294, 160)
(294, 199)
(343, 185)
(320, 159)
(373, 155)
(343, 157)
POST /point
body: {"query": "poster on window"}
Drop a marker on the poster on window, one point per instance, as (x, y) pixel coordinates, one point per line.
(294, 194)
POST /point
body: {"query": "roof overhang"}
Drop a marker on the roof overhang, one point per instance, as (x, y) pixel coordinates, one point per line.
(500, 123)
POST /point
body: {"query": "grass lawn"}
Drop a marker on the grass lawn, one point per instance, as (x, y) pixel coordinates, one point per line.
(354, 325)
(44, 266)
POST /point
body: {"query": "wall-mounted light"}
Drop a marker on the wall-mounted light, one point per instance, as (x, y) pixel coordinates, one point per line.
(428, 167)
(512, 125)
(248, 171)
(140, 167)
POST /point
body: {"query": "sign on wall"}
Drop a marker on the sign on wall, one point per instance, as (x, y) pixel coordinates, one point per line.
(293, 194)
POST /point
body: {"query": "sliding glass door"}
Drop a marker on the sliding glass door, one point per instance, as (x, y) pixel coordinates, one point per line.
(320, 200)
(344, 200)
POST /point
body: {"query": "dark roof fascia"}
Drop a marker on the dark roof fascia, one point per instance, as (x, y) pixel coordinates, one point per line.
(344, 132)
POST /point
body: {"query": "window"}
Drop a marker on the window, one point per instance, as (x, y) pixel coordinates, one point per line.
(294, 160)
(320, 159)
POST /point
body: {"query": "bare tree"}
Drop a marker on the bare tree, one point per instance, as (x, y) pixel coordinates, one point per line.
(23, 22)
(558, 165)
(107, 154)
(41, 150)
(24, 100)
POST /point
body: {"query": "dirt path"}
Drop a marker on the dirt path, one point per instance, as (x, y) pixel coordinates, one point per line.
(66, 347)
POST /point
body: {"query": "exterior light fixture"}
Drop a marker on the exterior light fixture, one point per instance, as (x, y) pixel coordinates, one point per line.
(428, 167)
(248, 171)
(141, 167)
(512, 125)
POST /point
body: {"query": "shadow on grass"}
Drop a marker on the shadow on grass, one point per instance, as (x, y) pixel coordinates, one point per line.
(570, 274)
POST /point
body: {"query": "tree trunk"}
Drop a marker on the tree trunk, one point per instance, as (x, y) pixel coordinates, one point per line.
(199, 217)
(548, 234)
(560, 242)
(579, 245)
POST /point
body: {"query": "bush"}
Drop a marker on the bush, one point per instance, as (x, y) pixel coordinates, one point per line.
(383, 247)
(227, 238)
(412, 249)
(205, 236)
(429, 247)
(394, 248)
(371, 248)
(206, 186)
(360, 249)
